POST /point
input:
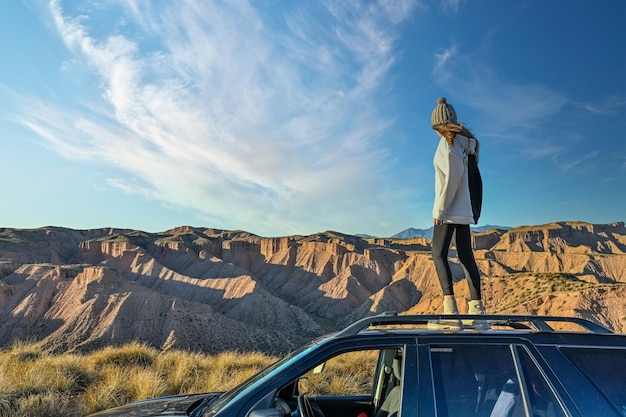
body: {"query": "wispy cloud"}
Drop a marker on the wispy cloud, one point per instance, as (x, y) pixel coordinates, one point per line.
(507, 106)
(511, 114)
(610, 106)
(543, 150)
(226, 107)
(572, 164)
(451, 5)
(442, 59)
(532, 120)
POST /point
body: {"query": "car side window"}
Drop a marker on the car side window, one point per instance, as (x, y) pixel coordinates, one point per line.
(543, 401)
(355, 384)
(351, 373)
(605, 368)
(473, 380)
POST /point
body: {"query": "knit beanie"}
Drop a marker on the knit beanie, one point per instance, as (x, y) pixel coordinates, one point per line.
(443, 113)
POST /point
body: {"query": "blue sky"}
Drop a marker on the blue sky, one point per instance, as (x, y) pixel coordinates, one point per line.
(297, 117)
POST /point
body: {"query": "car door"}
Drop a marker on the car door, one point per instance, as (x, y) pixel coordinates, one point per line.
(466, 377)
(358, 382)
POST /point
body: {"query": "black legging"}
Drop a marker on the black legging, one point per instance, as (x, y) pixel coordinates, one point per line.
(442, 235)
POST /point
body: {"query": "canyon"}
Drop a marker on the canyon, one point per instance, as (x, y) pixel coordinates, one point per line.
(209, 290)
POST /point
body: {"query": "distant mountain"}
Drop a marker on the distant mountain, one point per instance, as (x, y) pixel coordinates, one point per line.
(489, 227)
(411, 233)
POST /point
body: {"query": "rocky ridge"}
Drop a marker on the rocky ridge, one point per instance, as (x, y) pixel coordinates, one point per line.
(208, 290)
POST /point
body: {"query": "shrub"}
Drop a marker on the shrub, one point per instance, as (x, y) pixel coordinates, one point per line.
(46, 404)
(116, 385)
(102, 396)
(146, 383)
(132, 354)
(184, 372)
(25, 351)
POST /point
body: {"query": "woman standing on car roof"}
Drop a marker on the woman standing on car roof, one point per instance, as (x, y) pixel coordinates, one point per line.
(452, 209)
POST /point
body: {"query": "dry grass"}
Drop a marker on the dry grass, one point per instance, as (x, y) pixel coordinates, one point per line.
(37, 383)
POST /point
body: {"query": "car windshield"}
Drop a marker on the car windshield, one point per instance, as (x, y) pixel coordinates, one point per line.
(249, 385)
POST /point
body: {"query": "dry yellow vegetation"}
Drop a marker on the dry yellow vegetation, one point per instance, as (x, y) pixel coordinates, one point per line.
(37, 383)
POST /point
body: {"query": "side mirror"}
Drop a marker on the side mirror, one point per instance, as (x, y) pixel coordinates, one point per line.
(303, 386)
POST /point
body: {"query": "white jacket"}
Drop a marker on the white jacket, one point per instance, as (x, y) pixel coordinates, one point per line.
(452, 197)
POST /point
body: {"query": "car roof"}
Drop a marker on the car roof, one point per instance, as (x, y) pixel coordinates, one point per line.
(538, 330)
(528, 323)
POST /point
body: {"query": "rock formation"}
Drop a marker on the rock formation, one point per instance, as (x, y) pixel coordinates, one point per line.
(209, 290)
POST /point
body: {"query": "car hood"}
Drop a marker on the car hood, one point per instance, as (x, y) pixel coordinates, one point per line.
(173, 406)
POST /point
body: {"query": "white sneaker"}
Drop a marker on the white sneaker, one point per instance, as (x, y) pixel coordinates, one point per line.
(449, 307)
(476, 307)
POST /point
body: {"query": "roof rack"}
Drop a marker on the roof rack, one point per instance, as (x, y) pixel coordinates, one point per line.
(537, 323)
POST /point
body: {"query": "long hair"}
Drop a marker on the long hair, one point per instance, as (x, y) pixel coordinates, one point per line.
(449, 131)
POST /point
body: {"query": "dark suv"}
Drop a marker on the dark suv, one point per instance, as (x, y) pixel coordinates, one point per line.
(408, 366)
